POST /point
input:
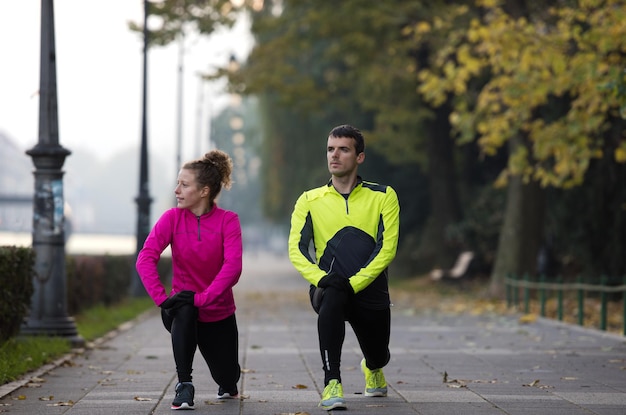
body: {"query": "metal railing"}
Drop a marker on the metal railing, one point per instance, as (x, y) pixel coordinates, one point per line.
(541, 287)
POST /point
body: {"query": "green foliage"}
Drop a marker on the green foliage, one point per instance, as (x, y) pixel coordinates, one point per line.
(588, 222)
(16, 278)
(102, 279)
(480, 228)
(568, 54)
(349, 72)
(236, 130)
(90, 280)
(174, 17)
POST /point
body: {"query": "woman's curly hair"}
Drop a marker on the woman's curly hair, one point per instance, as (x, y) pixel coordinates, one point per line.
(214, 170)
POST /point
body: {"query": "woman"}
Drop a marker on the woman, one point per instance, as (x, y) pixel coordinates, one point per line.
(206, 248)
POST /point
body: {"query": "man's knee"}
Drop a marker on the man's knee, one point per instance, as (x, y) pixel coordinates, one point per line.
(380, 361)
(334, 301)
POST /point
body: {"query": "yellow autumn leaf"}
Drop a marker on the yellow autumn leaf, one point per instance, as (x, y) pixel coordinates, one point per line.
(527, 319)
(422, 27)
(488, 3)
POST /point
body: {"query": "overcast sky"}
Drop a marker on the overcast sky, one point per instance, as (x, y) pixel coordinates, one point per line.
(99, 78)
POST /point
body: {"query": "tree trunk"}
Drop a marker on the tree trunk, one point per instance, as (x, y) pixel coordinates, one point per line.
(521, 232)
(434, 249)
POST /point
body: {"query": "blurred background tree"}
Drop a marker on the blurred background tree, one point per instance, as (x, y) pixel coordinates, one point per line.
(499, 123)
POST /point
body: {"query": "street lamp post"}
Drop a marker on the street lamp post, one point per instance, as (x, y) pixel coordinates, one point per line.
(143, 200)
(48, 311)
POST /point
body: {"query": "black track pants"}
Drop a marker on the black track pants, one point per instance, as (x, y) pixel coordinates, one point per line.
(217, 341)
(371, 327)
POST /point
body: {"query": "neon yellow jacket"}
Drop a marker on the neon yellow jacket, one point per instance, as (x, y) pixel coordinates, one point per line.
(356, 237)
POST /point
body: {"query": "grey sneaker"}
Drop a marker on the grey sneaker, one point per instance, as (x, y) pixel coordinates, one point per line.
(184, 396)
(222, 394)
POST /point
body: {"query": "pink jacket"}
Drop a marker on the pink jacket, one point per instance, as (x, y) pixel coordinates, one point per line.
(206, 259)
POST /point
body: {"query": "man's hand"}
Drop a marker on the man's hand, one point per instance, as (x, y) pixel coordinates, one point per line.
(336, 281)
(177, 300)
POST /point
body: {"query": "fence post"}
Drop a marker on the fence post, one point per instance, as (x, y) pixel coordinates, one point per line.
(603, 302)
(559, 294)
(581, 303)
(526, 294)
(508, 287)
(542, 295)
(624, 307)
(515, 293)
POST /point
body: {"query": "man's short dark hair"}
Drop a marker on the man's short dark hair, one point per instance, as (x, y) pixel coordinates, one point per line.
(349, 131)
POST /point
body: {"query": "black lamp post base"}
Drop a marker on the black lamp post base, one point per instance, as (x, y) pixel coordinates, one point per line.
(53, 327)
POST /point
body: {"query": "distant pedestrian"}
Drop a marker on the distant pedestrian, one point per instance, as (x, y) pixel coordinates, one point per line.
(354, 227)
(206, 248)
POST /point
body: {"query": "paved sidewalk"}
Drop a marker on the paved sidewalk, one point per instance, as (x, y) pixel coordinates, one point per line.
(441, 364)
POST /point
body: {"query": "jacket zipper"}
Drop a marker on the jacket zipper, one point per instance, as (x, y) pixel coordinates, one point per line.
(198, 217)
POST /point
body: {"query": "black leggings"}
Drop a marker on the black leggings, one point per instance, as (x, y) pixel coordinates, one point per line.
(371, 327)
(217, 341)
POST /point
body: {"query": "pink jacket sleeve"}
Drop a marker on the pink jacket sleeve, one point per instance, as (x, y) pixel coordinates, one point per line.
(158, 239)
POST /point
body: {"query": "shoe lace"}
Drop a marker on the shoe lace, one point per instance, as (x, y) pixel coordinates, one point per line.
(333, 389)
(376, 378)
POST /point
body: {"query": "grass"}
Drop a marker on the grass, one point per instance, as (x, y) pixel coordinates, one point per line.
(23, 354)
(20, 355)
(97, 321)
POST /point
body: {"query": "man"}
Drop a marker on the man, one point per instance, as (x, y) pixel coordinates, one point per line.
(353, 225)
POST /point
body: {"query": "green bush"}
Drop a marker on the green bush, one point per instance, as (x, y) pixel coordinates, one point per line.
(92, 280)
(102, 279)
(16, 279)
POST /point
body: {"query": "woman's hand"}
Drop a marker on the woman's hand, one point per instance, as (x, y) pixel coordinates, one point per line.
(178, 299)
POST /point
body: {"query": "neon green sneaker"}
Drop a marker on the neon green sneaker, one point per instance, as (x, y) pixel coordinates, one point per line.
(375, 383)
(332, 398)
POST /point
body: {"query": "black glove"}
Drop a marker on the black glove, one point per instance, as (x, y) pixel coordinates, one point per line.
(336, 281)
(178, 299)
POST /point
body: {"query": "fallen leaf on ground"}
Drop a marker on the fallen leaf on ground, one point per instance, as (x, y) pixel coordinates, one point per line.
(299, 386)
(140, 399)
(527, 318)
(68, 403)
(535, 383)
